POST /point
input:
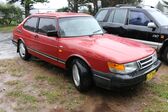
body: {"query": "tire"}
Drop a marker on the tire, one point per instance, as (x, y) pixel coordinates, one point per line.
(81, 75)
(165, 55)
(23, 51)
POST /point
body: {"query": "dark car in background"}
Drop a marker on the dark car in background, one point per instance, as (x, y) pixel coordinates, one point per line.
(140, 23)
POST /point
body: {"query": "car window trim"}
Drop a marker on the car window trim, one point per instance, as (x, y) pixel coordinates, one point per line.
(73, 36)
(47, 17)
(109, 16)
(125, 16)
(36, 23)
(153, 19)
(106, 16)
(147, 15)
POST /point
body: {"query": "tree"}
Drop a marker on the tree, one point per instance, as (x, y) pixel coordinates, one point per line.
(12, 15)
(63, 9)
(74, 4)
(27, 4)
(107, 3)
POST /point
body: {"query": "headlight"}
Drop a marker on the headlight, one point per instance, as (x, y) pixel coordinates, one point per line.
(154, 57)
(122, 68)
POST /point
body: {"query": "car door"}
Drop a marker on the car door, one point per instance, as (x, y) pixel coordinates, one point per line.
(116, 21)
(47, 46)
(29, 31)
(137, 27)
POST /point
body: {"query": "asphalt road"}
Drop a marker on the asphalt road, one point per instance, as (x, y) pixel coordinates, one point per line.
(7, 48)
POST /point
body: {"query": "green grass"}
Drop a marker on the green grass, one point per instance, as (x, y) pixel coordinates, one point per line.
(7, 28)
(1, 110)
(36, 86)
(161, 89)
(52, 96)
(50, 79)
(33, 87)
(41, 78)
(17, 72)
(159, 97)
(25, 98)
(157, 105)
(12, 82)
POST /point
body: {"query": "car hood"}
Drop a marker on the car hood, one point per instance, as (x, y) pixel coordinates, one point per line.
(164, 28)
(116, 49)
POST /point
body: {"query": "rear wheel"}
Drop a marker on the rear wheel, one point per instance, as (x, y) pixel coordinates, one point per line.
(23, 51)
(81, 75)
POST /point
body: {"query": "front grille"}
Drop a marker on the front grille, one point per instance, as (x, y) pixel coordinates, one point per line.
(146, 62)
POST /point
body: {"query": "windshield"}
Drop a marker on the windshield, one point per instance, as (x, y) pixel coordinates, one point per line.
(160, 17)
(79, 26)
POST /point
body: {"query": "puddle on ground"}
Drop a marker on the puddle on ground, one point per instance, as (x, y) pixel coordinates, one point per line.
(7, 48)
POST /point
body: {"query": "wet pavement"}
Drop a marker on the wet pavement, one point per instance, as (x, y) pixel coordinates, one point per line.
(7, 48)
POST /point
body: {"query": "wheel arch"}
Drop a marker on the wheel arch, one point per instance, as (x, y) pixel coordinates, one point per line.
(165, 44)
(72, 57)
(19, 40)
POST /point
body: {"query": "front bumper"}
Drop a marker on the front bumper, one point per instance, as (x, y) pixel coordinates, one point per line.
(106, 80)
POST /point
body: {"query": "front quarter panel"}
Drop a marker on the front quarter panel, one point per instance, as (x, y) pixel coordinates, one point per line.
(72, 47)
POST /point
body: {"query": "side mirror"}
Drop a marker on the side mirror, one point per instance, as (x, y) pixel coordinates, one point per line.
(151, 25)
(52, 33)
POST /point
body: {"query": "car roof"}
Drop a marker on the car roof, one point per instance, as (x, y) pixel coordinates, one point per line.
(127, 6)
(61, 14)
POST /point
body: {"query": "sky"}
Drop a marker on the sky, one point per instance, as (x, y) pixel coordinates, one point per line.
(150, 2)
(56, 4)
(53, 4)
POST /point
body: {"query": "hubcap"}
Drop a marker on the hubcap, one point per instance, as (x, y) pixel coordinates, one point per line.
(22, 50)
(75, 73)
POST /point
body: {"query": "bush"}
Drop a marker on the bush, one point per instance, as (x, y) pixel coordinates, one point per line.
(10, 15)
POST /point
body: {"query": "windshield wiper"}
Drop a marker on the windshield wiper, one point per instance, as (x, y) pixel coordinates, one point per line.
(95, 32)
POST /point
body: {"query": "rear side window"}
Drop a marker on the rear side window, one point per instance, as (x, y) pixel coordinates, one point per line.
(101, 15)
(120, 16)
(110, 19)
(138, 18)
(31, 24)
(46, 25)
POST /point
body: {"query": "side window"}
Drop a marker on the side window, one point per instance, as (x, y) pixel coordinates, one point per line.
(46, 24)
(101, 15)
(120, 16)
(110, 19)
(138, 18)
(31, 24)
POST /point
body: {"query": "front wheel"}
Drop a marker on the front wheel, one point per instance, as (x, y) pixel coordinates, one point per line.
(165, 55)
(81, 75)
(23, 51)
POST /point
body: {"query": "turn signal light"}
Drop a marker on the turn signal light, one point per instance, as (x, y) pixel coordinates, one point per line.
(119, 67)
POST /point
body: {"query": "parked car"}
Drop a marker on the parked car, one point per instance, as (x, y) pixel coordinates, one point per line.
(77, 43)
(141, 23)
(162, 5)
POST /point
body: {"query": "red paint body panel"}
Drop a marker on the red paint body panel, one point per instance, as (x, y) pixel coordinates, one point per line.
(95, 50)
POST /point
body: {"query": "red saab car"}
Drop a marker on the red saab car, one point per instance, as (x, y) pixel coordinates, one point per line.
(77, 43)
